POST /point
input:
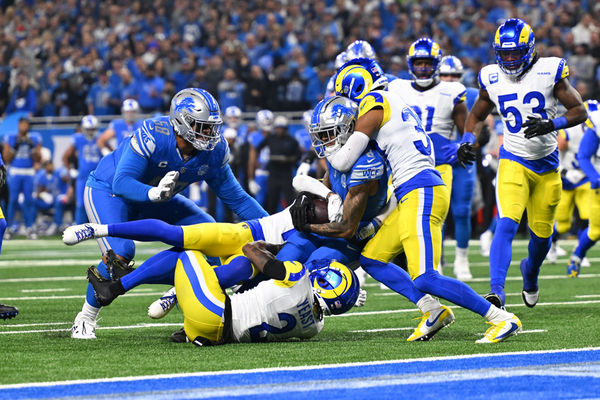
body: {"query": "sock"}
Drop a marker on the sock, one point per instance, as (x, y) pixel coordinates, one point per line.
(584, 244)
(2, 229)
(90, 311)
(452, 290)
(428, 304)
(100, 230)
(555, 235)
(462, 230)
(461, 253)
(148, 230)
(160, 268)
(493, 225)
(496, 315)
(538, 249)
(393, 277)
(90, 295)
(501, 254)
(237, 270)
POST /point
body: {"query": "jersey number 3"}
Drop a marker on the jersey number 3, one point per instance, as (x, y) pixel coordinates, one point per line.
(255, 331)
(423, 145)
(528, 99)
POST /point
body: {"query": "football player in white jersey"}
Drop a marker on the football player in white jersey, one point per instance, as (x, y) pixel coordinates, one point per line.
(415, 226)
(525, 88)
(441, 107)
(588, 158)
(575, 186)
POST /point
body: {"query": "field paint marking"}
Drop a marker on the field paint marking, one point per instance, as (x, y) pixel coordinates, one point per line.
(295, 368)
(77, 296)
(411, 328)
(45, 290)
(44, 279)
(67, 262)
(37, 324)
(587, 296)
(392, 293)
(138, 326)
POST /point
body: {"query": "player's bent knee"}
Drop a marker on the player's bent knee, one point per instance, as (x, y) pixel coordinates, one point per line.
(594, 233)
(426, 282)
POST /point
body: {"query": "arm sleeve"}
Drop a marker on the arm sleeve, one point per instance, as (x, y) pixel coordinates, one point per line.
(347, 155)
(587, 148)
(129, 171)
(305, 183)
(228, 189)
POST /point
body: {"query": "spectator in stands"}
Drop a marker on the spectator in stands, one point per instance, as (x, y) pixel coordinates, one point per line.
(231, 90)
(102, 97)
(150, 90)
(23, 96)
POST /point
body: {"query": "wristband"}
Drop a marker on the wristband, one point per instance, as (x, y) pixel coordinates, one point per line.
(467, 137)
(559, 123)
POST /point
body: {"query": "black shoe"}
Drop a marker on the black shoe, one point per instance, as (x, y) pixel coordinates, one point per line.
(106, 290)
(8, 312)
(494, 299)
(117, 268)
(179, 337)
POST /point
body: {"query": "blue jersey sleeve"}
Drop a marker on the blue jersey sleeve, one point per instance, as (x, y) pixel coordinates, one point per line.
(370, 166)
(587, 149)
(126, 182)
(143, 142)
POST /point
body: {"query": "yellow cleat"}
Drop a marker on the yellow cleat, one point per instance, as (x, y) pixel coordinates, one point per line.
(501, 331)
(431, 323)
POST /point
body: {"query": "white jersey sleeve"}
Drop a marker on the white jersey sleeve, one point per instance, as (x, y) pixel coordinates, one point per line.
(519, 99)
(277, 310)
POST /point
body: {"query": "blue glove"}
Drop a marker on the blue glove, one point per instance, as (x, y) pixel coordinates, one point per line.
(449, 152)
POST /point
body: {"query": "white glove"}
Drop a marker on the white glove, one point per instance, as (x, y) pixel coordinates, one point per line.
(574, 175)
(73, 173)
(253, 186)
(335, 208)
(303, 169)
(165, 189)
(362, 298)
(105, 151)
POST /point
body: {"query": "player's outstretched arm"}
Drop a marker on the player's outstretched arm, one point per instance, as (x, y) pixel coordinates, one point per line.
(481, 109)
(261, 255)
(103, 140)
(571, 99)
(587, 149)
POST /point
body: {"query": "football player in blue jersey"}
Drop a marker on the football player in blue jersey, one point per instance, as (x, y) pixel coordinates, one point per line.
(88, 155)
(357, 206)
(120, 129)
(142, 178)
(2, 187)
(463, 178)
(21, 152)
(258, 175)
(525, 88)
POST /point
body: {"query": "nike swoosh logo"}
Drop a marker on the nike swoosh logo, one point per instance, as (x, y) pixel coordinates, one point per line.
(403, 200)
(513, 328)
(429, 325)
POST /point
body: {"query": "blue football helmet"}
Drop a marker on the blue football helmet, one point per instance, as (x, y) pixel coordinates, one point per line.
(336, 287)
(514, 45)
(196, 117)
(332, 122)
(264, 120)
(340, 60)
(451, 65)
(358, 77)
(360, 49)
(424, 49)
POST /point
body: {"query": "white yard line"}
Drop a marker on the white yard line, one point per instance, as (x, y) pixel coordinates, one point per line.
(45, 290)
(78, 296)
(138, 326)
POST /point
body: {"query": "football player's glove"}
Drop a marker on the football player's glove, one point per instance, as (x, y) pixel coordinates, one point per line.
(536, 126)
(165, 189)
(465, 154)
(302, 206)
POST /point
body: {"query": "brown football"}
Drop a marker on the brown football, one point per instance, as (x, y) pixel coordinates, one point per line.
(320, 215)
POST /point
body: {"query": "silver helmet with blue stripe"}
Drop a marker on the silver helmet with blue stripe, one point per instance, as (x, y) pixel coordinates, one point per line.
(196, 117)
(332, 122)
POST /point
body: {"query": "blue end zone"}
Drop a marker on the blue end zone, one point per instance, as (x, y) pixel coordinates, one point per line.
(562, 374)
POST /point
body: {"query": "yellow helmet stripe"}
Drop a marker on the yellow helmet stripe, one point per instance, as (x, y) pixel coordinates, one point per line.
(524, 35)
(435, 49)
(497, 37)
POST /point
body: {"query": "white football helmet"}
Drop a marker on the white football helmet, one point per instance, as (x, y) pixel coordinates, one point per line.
(360, 49)
(233, 117)
(129, 110)
(89, 126)
(196, 117)
(264, 120)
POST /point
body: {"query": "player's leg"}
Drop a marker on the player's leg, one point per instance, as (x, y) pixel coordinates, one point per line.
(201, 299)
(583, 200)
(29, 211)
(588, 237)
(564, 215)
(541, 211)
(14, 184)
(2, 228)
(423, 249)
(376, 261)
(512, 193)
(460, 205)
(80, 212)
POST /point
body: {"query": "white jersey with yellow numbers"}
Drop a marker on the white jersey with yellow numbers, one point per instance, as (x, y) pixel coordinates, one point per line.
(530, 96)
(408, 150)
(276, 310)
(434, 106)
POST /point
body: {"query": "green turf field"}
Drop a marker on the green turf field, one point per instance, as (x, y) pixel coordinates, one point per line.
(45, 280)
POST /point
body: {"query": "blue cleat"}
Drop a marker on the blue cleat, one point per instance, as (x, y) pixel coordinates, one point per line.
(8, 312)
(530, 297)
(574, 266)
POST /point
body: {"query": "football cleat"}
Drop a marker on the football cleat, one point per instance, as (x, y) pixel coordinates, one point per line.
(585, 262)
(83, 327)
(560, 252)
(431, 323)
(574, 266)
(179, 337)
(117, 268)
(462, 271)
(105, 290)
(161, 307)
(501, 331)
(530, 298)
(78, 233)
(552, 255)
(494, 299)
(8, 312)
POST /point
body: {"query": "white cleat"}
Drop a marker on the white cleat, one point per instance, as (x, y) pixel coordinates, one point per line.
(560, 252)
(485, 240)
(530, 298)
(585, 262)
(83, 328)
(462, 271)
(162, 306)
(431, 323)
(552, 255)
(502, 330)
(78, 233)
